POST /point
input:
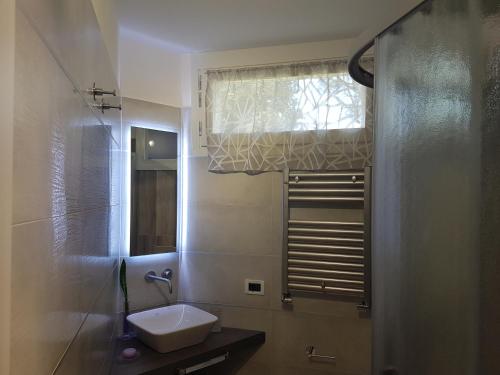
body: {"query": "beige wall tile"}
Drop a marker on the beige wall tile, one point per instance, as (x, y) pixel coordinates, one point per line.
(234, 189)
(256, 319)
(235, 231)
(219, 279)
(253, 368)
(230, 229)
(143, 294)
(229, 213)
(347, 339)
(246, 318)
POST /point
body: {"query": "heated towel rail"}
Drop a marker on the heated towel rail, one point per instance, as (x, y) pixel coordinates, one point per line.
(331, 257)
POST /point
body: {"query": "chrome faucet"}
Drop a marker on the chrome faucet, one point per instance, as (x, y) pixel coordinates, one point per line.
(166, 276)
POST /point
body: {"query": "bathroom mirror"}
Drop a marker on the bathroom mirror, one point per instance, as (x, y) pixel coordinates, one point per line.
(153, 191)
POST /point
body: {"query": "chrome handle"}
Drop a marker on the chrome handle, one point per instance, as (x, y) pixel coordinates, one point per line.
(199, 366)
(286, 298)
(311, 354)
(96, 91)
(363, 306)
(166, 276)
(167, 273)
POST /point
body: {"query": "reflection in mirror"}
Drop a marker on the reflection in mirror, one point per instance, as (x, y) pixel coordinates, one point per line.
(153, 190)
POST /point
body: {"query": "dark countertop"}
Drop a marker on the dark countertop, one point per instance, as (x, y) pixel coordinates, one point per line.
(151, 362)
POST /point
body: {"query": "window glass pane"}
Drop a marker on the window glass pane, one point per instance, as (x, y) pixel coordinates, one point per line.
(288, 103)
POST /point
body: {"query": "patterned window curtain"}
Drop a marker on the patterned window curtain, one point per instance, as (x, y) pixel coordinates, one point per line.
(307, 116)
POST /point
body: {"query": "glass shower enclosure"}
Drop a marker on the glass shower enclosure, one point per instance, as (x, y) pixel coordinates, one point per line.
(436, 191)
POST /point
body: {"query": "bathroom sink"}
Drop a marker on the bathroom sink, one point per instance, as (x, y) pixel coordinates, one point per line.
(172, 327)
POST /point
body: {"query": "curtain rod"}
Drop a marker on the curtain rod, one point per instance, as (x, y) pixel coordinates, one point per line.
(282, 63)
(343, 58)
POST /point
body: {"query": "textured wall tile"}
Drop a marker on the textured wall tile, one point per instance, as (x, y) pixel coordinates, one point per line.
(71, 32)
(115, 232)
(96, 165)
(62, 153)
(47, 288)
(116, 183)
(91, 351)
(97, 263)
(66, 237)
(61, 265)
(47, 115)
(111, 119)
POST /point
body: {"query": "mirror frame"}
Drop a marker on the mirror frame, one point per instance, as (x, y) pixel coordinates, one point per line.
(178, 128)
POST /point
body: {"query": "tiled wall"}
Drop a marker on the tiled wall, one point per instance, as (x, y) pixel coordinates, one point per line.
(144, 295)
(66, 208)
(234, 232)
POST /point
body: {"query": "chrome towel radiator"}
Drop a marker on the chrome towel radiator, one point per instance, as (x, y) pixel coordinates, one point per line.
(328, 256)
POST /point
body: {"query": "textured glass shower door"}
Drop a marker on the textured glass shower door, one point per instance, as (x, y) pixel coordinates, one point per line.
(436, 215)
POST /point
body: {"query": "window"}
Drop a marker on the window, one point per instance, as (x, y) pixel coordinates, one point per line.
(311, 115)
(257, 101)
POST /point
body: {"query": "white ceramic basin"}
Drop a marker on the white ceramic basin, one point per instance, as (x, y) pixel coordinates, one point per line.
(172, 327)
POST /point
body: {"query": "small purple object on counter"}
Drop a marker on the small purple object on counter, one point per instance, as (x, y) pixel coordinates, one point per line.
(129, 353)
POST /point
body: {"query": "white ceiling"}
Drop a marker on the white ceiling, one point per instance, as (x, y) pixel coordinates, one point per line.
(213, 25)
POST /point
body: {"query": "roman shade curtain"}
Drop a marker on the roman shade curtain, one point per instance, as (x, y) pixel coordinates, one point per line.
(307, 116)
